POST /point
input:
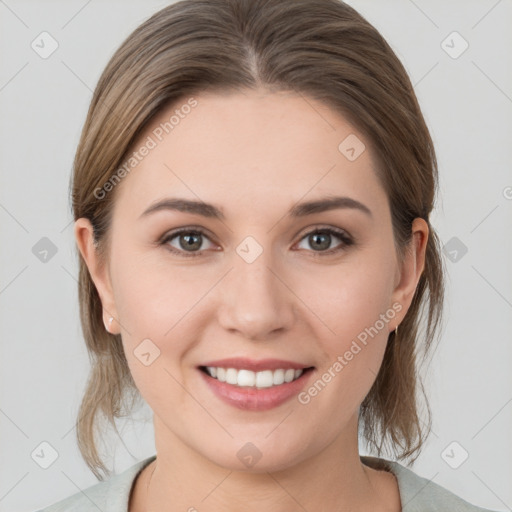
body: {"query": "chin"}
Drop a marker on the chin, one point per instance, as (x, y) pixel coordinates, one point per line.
(258, 455)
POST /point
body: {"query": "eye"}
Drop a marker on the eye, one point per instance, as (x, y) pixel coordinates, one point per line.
(321, 238)
(188, 242)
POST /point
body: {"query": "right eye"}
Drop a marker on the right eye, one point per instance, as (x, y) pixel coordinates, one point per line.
(186, 239)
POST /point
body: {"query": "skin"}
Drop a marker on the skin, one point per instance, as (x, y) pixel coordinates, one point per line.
(254, 154)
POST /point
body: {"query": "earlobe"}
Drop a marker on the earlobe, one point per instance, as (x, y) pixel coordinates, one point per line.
(412, 266)
(98, 270)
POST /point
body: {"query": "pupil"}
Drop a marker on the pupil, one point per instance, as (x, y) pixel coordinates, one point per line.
(190, 242)
(326, 243)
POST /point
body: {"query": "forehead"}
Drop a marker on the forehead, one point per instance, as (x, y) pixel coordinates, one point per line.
(251, 149)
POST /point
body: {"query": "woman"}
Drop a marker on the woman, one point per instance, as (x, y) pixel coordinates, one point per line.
(251, 193)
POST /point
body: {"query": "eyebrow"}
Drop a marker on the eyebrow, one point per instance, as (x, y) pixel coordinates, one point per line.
(299, 210)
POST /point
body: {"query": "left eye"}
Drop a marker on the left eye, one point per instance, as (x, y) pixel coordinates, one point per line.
(322, 238)
(190, 242)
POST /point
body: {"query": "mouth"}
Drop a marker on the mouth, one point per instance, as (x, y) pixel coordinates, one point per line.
(255, 385)
(250, 379)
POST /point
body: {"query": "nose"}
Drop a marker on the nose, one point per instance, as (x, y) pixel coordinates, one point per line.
(255, 302)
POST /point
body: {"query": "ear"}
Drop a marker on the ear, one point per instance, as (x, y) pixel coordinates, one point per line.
(411, 268)
(99, 272)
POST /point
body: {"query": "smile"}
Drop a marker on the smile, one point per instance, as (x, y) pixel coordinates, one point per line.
(248, 378)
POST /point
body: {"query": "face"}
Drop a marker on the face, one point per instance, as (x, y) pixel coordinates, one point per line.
(256, 288)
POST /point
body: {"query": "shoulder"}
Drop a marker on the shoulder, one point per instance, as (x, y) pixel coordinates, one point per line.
(419, 494)
(112, 494)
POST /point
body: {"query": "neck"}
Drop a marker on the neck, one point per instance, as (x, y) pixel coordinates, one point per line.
(335, 479)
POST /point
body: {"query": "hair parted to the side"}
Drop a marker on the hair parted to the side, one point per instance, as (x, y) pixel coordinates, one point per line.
(321, 49)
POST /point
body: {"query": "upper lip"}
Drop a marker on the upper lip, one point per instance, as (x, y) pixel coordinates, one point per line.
(242, 363)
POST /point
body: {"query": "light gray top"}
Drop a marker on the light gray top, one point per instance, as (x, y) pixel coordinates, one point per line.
(417, 494)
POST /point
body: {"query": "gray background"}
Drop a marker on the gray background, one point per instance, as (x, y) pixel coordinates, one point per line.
(467, 102)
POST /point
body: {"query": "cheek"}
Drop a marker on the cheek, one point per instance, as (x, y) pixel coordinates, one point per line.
(353, 301)
(165, 304)
(153, 297)
(349, 297)
(156, 309)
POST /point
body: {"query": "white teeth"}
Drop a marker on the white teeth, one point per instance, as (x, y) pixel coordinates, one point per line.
(221, 373)
(231, 376)
(278, 377)
(245, 378)
(289, 375)
(264, 379)
(248, 378)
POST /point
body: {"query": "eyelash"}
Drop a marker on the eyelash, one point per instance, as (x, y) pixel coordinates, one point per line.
(346, 240)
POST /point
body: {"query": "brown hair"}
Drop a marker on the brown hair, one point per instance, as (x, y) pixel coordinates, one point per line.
(322, 49)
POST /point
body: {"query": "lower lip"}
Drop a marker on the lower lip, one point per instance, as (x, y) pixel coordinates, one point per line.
(256, 399)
